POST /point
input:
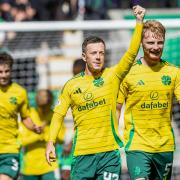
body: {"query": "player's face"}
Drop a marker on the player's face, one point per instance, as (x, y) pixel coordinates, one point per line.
(42, 98)
(94, 57)
(152, 44)
(5, 74)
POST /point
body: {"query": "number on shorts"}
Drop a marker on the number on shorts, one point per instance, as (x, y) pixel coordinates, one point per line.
(110, 176)
(15, 165)
(167, 169)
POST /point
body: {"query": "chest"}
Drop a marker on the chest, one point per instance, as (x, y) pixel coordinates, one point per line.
(10, 101)
(151, 85)
(97, 91)
(150, 81)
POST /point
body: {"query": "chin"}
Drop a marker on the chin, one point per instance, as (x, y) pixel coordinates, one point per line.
(98, 70)
(4, 83)
(155, 58)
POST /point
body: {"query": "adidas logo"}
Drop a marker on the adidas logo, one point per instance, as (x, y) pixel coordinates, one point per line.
(140, 82)
(77, 91)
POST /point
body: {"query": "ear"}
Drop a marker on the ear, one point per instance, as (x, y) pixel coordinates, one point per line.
(84, 57)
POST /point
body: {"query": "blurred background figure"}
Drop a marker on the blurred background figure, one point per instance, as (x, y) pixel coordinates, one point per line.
(78, 66)
(5, 10)
(34, 165)
(96, 9)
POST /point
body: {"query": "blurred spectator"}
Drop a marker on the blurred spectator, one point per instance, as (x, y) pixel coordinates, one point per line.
(17, 10)
(22, 10)
(158, 4)
(46, 9)
(49, 10)
(67, 9)
(115, 4)
(96, 9)
(5, 9)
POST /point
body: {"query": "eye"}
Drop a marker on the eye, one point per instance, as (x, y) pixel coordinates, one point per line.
(102, 53)
(150, 43)
(161, 42)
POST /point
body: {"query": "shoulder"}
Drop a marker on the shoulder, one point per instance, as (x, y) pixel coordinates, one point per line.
(78, 76)
(17, 87)
(170, 65)
(136, 66)
(73, 80)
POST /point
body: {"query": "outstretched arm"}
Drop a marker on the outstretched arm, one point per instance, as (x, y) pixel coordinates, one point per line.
(128, 58)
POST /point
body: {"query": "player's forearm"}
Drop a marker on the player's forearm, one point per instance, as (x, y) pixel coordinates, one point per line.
(56, 124)
(28, 123)
(128, 58)
(136, 39)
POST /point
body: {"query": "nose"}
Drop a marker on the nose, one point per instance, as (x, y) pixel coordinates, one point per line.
(3, 74)
(98, 56)
(156, 46)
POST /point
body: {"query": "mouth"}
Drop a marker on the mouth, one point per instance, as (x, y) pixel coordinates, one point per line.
(156, 53)
(97, 63)
(3, 80)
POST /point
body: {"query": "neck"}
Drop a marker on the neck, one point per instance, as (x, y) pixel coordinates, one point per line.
(148, 62)
(4, 87)
(43, 110)
(93, 73)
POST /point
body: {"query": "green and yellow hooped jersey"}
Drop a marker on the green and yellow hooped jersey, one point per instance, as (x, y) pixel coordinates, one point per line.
(13, 100)
(93, 104)
(148, 94)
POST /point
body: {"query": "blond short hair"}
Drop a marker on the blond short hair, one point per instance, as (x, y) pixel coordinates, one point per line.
(155, 27)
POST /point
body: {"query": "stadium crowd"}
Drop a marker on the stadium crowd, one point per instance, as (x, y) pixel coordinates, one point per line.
(49, 10)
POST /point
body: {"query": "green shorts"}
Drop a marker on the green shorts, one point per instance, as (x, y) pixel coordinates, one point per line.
(47, 176)
(152, 166)
(98, 166)
(9, 164)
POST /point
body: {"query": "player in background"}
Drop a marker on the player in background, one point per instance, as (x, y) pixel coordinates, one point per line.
(13, 101)
(78, 66)
(92, 96)
(148, 91)
(34, 165)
